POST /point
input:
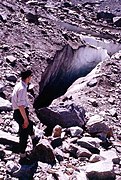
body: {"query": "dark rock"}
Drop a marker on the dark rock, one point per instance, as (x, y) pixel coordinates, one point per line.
(24, 172)
(3, 18)
(2, 154)
(2, 87)
(43, 152)
(5, 47)
(67, 4)
(32, 18)
(65, 117)
(56, 142)
(11, 78)
(106, 16)
(89, 146)
(118, 22)
(59, 154)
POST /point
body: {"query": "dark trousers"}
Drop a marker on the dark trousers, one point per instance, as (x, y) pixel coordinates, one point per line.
(23, 133)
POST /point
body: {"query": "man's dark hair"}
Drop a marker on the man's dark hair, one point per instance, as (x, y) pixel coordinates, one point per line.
(25, 74)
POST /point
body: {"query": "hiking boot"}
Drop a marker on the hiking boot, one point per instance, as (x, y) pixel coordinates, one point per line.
(25, 161)
(35, 141)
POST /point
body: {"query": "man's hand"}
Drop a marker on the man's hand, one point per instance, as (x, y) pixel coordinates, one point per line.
(25, 125)
(24, 115)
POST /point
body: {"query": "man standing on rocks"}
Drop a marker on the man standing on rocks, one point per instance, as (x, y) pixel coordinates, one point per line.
(21, 114)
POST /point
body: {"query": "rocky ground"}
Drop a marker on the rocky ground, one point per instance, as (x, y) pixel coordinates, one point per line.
(31, 33)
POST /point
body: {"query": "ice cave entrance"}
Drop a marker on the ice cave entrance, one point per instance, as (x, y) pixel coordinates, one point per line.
(70, 64)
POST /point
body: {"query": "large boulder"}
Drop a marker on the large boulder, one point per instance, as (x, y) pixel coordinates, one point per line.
(65, 117)
(43, 152)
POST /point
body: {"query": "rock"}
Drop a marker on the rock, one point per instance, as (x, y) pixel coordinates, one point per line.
(59, 154)
(67, 4)
(1, 120)
(7, 138)
(27, 44)
(113, 112)
(61, 24)
(11, 59)
(22, 172)
(5, 47)
(105, 16)
(110, 155)
(5, 105)
(64, 117)
(43, 152)
(92, 146)
(95, 158)
(2, 87)
(32, 18)
(56, 142)
(11, 78)
(94, 119)
(100, 130)
(96, 127)
(117, 21)
(12, 167)
(83, 152)
(3, 17)
(102, 170)
(93, 102)
(31, 2)
(57, 131)
(94, 141)
(2, 154)
(92, 83)
(76, 151)
(111, 100)
(76, 131)
(26, 55)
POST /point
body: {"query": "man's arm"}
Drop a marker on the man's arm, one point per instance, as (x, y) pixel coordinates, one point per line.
(24, 115)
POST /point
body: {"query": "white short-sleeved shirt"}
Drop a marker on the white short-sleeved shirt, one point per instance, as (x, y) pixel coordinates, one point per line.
(19, 95)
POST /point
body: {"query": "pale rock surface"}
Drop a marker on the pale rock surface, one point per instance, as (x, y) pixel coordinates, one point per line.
(5, 105)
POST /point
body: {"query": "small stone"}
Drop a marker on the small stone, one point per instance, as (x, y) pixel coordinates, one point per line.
(10, 58)
(95, 158)
(111, 100)
(92, 83)
(76, 131)
(5, 47)
(57, 131)
(26, 55)
(27, 44)
(113, 112)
